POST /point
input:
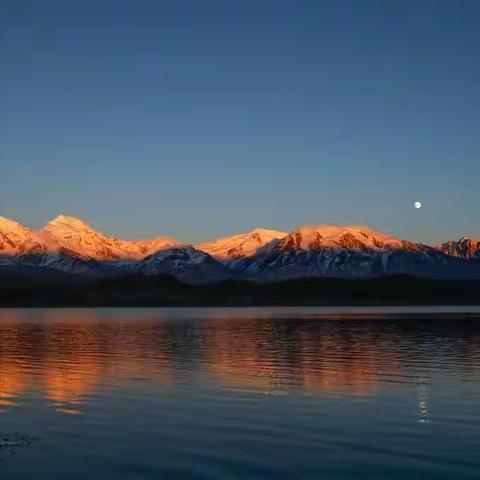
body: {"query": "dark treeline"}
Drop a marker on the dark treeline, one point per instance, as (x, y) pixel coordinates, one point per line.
(29, 288)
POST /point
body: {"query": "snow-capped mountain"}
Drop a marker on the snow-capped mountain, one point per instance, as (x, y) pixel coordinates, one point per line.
(347, 251)
(186, 263)
(15, 239)
(467, 248)
(228, 249)
(79, 237)
(70, 244)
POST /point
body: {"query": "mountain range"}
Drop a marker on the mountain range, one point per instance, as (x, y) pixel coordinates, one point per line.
(71, 245)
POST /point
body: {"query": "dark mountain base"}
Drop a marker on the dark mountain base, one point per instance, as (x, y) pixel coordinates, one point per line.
(55, 289)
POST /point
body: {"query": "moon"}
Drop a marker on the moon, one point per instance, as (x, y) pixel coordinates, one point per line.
(417, 205)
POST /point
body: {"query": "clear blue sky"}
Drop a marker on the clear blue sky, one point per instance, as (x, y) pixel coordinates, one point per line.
(199, 118)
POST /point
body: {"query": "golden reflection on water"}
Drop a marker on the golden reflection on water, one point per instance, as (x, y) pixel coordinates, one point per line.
(67, 355)
(64, 356)
(264, 355)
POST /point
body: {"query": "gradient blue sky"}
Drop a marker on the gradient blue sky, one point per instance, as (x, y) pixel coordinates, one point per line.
(200, 118)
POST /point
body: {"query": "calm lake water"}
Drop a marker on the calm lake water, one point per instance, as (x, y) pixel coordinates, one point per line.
(241, 393)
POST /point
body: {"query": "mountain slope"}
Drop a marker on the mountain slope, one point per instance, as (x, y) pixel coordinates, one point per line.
(353, 251)
(186, 264)
(227, 249)
(348, 252)
(465, 247)
(71, 245)
(15, 239)
(79, 237)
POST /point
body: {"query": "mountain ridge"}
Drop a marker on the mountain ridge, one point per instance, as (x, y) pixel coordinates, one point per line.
(320, 250)
(230, 248)
(67, 233)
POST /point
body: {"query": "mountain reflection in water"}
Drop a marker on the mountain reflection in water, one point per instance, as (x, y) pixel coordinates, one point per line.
(244, 393)
(64, 355)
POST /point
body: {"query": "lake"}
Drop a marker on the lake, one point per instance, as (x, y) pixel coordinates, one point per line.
(240, 393)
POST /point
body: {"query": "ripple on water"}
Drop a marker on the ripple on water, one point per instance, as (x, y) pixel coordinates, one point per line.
(240, 393)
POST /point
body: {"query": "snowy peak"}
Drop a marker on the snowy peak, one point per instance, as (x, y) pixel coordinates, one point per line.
(72, 236)
(347, 237)
(350, 251)
(150, 245)
(241, 245)
(76, 235)
(8, 224)
(72, 245)
(15, 239)
(466, 247)
(68, 223)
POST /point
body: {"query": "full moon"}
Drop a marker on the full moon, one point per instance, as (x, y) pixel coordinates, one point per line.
(418, 204)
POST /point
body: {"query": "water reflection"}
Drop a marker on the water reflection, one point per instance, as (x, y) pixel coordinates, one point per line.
(277, 356)
(65, 356)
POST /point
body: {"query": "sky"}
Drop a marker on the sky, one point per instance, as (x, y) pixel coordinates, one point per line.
(200, 118)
